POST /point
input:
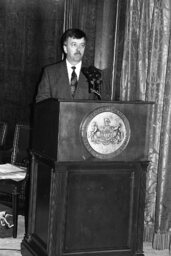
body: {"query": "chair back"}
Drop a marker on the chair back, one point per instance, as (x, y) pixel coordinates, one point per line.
(3, 133)
(21, 143)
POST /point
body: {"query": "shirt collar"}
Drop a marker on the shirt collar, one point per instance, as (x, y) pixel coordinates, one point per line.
(77, 66)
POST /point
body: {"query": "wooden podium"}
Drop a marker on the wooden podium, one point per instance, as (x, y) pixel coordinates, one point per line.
(88, 179)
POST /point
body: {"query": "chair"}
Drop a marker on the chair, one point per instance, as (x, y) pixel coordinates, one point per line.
(21, 143)
(14, 175)
(3, 133)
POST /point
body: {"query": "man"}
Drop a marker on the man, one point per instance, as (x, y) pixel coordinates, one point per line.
(65, 79)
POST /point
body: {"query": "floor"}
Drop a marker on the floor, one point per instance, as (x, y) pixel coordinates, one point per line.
(11, 246)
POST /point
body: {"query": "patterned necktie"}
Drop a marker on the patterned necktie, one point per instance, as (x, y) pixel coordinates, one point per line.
(73, 82)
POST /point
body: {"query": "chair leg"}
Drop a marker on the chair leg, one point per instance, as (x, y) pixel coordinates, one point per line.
(15, 211)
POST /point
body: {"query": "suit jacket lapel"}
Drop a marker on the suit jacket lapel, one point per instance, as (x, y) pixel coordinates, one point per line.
(63, 91)
(64, 82)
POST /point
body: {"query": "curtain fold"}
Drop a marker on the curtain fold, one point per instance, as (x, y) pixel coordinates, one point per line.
(162, 225)
(146, 76)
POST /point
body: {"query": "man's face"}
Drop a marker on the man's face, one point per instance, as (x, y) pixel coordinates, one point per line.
(74, 49)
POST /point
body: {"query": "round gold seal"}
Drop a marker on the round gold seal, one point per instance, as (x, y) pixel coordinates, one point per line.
(105, 132)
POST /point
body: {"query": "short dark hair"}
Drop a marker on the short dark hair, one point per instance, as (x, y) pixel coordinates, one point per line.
(73, 33)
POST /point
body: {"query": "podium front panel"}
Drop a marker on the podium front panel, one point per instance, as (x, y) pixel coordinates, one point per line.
(93, 222)
(59, 135)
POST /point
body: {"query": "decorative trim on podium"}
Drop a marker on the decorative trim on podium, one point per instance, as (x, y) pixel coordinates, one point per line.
(105, 132)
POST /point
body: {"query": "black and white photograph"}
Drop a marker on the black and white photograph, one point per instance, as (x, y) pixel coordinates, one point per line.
(85, 128)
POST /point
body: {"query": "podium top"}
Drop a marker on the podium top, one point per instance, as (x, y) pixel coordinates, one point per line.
(51, 100)
(91, 130)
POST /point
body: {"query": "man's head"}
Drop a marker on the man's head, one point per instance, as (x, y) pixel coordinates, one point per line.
(73, 43)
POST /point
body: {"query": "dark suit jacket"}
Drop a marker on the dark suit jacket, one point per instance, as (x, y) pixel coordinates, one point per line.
(55, 84)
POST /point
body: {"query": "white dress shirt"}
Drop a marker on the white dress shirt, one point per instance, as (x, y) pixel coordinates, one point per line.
(70, 70)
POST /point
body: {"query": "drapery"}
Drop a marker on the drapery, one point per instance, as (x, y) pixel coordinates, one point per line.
(146, 76)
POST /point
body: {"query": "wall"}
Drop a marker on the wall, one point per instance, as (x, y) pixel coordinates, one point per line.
(29, 33)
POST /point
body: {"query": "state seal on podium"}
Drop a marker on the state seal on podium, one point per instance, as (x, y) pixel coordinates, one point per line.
(105, 132)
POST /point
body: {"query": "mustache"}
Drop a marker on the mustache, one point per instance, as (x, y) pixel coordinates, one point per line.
(77, 53)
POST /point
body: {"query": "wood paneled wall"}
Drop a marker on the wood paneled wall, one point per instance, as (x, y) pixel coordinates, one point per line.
(29, 39)
(30, 32)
